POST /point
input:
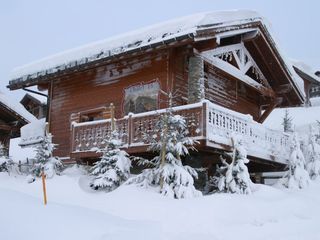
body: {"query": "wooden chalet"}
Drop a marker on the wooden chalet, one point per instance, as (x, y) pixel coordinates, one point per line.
(310, 78)
(12, 117)
(224, 68)
(35, 104)
(315, 88)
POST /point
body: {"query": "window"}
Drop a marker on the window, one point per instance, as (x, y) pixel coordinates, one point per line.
(94, 115)
(141, 97)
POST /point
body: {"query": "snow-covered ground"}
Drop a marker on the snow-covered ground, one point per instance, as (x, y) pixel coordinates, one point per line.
(76, 212)
(301, 116)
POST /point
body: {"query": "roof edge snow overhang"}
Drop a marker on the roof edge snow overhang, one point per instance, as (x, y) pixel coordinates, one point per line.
(14, 113)
(284, 64)
(306, 76)
(37, 78)
(194, 36)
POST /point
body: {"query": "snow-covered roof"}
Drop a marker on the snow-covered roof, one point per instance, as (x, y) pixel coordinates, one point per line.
(306, 69)
(135, 40)
(42, 99)
(146, 37)
(16, 107)
(33, 133)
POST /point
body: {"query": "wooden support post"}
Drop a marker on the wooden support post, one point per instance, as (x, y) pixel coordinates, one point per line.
(130, 130)
(113, 127)
(272, 105)
(204, 118)
(163, 151)
(43, 176)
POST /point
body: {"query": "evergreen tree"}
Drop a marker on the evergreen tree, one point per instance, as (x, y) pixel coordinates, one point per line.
(44, 159)
(317, 135)
(167, 171)
(296, 176)
(287, 122)
(233, 177)
(313, 156)
(5, 161)
(113, 168)
(3, 150)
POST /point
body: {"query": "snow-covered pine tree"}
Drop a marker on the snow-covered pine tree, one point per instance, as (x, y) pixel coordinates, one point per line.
(5, 161)
(233, 177)
(313, 156)
(44, 159)
(170, 143)
(296, 176)
(3, 150)
(113, 168)
(287, 122)
(317, 135)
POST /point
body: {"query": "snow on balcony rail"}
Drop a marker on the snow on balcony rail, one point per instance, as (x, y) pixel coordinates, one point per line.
(260, 141)
(221, 124)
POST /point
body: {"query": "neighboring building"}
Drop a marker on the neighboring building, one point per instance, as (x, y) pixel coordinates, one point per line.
(315, 90)
(35, 104)
(12, 117)
(310, 78)
(228, 58)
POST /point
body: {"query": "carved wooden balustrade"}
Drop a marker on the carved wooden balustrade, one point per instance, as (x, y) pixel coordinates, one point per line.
(91, 136)
(205, 121)
(260, 141)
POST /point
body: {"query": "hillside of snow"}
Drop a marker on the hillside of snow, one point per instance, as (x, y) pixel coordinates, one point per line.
(301, 116)
(76, 212)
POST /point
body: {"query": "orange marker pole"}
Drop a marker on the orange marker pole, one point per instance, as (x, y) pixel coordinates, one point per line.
(43, 176)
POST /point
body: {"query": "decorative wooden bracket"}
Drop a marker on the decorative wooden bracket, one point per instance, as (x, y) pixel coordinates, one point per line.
(238, 56)
(271, 106)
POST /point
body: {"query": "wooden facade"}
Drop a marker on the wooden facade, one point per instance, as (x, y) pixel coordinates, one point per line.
(12, 117)
(35, 106)
(237, 74)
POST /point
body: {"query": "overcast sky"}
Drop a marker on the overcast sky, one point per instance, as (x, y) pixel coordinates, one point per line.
(33, 29)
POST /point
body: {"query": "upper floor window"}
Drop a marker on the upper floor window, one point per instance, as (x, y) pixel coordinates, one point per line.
(142, 97)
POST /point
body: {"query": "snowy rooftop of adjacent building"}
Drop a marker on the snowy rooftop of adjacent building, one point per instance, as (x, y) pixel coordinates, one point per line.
(135, 40)
(42, 99)
(306, 69)
(16, 107)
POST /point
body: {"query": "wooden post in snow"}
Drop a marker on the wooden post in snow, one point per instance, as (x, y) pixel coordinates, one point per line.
(113, 127)
(43, 176)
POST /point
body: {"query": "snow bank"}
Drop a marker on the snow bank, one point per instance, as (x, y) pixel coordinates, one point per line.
(301, 116)
(16, 107)
(25, 217)
(20, 154)
(73, 213)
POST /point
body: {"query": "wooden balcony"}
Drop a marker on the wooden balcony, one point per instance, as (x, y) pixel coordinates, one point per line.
(208, 123)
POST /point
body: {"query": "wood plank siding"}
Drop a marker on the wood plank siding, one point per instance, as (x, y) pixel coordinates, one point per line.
(100, 87)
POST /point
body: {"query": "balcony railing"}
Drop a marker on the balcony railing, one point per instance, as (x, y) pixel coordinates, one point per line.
(205, 121)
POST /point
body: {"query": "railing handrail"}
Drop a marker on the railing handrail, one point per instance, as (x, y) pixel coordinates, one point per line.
(207, 120)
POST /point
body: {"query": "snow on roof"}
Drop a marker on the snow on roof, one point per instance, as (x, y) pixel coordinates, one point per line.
(188, 25)
(16, 107)
(33, 133)
(306, 69)
(40, 98)
(135, 40)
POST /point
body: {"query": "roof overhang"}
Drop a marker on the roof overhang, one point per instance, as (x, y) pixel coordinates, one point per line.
(305, 76)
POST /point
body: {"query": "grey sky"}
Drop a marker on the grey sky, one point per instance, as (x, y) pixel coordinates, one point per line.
(33, 29)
